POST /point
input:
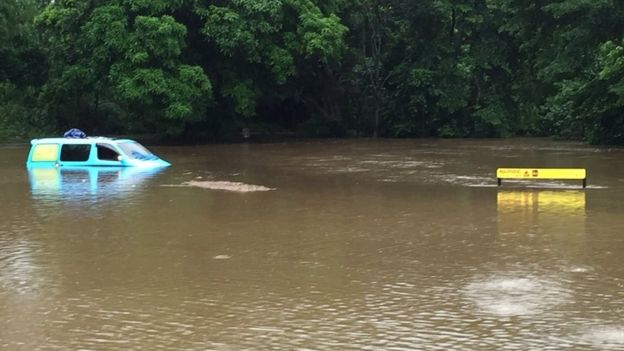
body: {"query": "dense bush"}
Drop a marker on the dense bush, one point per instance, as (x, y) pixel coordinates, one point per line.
(396, 68)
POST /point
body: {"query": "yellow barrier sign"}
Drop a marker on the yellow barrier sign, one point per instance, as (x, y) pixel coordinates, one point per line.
(541, 173)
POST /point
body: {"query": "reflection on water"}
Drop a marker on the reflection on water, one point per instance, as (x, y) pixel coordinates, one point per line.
(362, 245)
(559, 212)
(523, 217)
(78, 183)
(561, 202)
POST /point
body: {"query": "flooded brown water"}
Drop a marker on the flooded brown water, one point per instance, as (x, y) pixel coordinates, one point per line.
(321, 245)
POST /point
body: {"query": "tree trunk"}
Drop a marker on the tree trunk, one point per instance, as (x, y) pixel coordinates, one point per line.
(376, 130)
(96, 106)
(76, 110)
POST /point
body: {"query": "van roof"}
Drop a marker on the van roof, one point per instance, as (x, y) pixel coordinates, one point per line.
(88, 140)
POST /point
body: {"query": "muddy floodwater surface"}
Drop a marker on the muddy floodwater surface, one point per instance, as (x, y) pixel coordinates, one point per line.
(318, 245)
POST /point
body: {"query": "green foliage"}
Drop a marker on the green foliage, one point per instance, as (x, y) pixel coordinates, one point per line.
(593, 107)
(265, 47)
(22, 71)
(398, 68)
(126, 52)
(20, 117)
(153, 78)
(238, 29)
(319, 35)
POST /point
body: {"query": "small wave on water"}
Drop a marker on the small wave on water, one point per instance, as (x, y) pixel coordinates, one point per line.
(469, 181)
(399, 164)
(223, 185)
(221, 257)
(580, 269)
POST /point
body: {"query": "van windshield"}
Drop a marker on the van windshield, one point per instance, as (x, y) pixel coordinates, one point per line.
(136, 151)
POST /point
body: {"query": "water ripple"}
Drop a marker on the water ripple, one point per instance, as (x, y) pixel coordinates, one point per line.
(507, 296)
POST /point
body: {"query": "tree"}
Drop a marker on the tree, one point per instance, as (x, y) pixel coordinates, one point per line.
(23, 70)
(128, 52)
(272, 51)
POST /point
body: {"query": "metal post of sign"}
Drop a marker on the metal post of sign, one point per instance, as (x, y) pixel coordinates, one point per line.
(584, 183)
(500, 181)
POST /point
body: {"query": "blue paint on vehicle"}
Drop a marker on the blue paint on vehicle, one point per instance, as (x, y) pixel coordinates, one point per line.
(93, 152)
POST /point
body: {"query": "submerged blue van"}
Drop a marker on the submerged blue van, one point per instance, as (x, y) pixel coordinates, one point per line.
(91, 151)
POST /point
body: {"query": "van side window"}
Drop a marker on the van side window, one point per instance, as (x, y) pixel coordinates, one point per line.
(45, 153)
(75, 152)
(106, 152)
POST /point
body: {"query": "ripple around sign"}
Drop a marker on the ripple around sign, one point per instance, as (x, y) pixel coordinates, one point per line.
(515, 296)
(531, 184)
